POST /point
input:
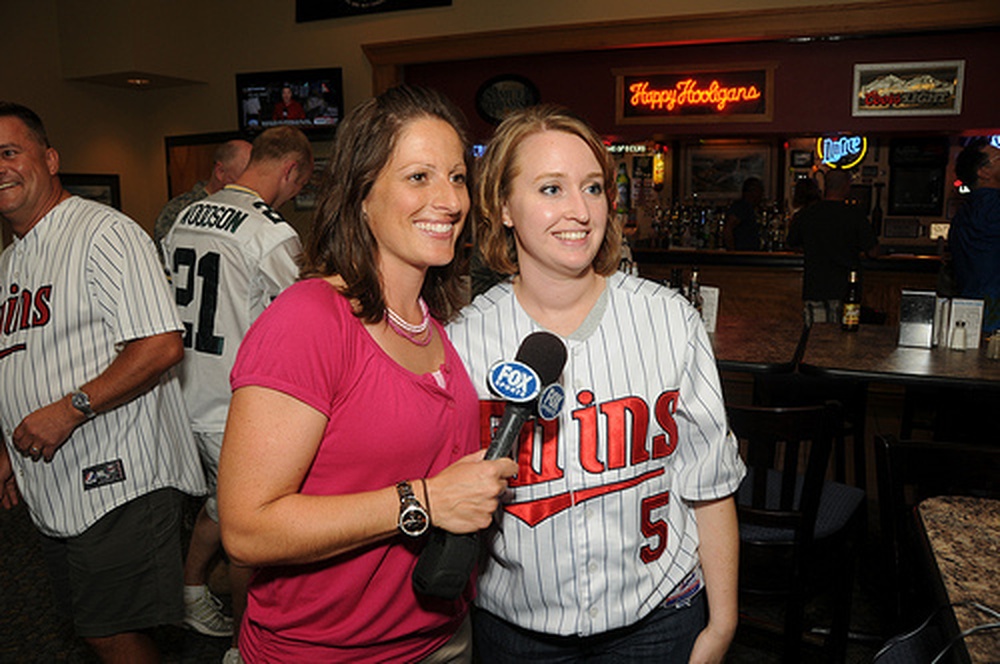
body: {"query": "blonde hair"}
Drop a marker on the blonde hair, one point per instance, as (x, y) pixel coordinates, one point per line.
(497, 169)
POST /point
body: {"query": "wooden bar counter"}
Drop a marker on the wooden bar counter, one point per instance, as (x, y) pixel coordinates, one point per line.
(768, 285)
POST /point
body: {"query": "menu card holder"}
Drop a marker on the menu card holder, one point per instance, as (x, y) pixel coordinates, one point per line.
(916, 318)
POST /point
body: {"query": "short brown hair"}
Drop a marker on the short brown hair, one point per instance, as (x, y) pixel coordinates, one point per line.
(496, 172)
(341, 242)
(277, 143)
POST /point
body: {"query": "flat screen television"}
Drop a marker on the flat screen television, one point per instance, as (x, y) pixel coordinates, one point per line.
(310, 99)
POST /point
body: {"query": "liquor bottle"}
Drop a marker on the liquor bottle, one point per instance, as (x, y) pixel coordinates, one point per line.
(694, 291)
(624, 185)
(852, 304)
(677, 280)
(877, 211)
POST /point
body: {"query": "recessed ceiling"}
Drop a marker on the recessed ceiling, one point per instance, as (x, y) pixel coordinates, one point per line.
(138, 80)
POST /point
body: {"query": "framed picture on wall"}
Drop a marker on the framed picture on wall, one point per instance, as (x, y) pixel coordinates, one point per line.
(801, 159)
(908, 88)
(716, 171)
(101, 188)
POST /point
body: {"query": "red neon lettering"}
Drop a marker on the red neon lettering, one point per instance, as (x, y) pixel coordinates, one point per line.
(687, 93)
(873, 98)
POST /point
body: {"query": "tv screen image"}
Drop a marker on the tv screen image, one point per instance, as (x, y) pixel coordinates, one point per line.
(310, 99)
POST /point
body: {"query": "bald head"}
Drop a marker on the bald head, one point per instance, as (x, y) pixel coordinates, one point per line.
(836, 185)
(231, 159)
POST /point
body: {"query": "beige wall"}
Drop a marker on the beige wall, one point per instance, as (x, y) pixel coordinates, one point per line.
(101, 129)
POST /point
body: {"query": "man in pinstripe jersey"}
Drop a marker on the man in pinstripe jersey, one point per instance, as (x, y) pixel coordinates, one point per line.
(96, 434)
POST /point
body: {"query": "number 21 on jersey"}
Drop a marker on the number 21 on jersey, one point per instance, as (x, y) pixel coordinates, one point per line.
(187, 266)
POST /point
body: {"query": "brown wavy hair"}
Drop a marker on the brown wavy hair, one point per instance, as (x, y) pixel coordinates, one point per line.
(341, 242)
(496, 172)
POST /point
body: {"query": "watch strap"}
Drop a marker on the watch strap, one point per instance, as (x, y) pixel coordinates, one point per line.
(411, 512)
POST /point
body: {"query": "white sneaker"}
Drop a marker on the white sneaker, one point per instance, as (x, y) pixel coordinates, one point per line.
(232, 656)
(204, 615)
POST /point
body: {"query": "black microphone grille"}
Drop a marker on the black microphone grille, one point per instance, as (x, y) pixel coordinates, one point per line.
(545, 353)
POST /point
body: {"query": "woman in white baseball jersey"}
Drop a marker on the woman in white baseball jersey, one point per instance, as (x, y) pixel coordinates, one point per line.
(620, 524)
(353, 428)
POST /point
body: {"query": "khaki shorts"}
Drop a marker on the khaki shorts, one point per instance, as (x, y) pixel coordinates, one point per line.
(124, 573)
(209, 448)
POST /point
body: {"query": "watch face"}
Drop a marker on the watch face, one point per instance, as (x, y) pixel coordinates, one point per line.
(81, 402)
(413, 520)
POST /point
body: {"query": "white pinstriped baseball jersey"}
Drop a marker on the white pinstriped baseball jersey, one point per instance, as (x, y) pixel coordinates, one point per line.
(596, 532)
(229, 255)
(84, 280)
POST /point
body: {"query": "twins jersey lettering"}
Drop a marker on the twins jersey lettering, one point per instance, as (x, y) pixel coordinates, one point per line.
(229, 255)
(597, 531)
(80, 284)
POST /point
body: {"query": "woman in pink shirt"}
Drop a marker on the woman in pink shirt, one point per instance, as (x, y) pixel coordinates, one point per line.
(353, 424)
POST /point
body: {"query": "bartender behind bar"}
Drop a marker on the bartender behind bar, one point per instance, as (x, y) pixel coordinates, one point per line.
(974, 236)
(831, 234)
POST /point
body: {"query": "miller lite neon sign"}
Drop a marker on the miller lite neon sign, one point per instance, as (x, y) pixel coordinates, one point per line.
(737, 93)
(842, 151)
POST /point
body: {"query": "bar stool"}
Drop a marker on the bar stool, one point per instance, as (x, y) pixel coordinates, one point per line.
(798, 532)
(798, 389)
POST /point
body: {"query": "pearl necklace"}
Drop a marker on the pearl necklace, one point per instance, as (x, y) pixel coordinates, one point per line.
(409, 331)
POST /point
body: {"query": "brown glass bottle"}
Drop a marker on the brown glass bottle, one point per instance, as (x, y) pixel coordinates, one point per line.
(694, 291)
(851, 319)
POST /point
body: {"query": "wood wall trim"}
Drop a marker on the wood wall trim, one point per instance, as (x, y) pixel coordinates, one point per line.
(388, 59)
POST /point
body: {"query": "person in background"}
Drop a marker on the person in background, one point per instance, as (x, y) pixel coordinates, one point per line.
(229, 162)
(741, 231)
(805, 193)
(832, 235)
(224, 274)
(353, 425)
(97, 441)
(974, 235)
(607, 545)
(288, 108)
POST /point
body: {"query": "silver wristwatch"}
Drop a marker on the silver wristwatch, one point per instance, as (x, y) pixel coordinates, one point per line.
(81, 402)
(413, 519)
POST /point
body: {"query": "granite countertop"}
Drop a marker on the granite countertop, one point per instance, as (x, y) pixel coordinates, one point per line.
(964, 534)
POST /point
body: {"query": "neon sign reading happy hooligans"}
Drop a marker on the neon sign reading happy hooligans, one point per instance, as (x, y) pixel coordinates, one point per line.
(690, 96)
(687, 93)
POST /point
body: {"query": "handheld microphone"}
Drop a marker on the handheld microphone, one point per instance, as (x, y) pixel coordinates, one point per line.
(529, 386)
